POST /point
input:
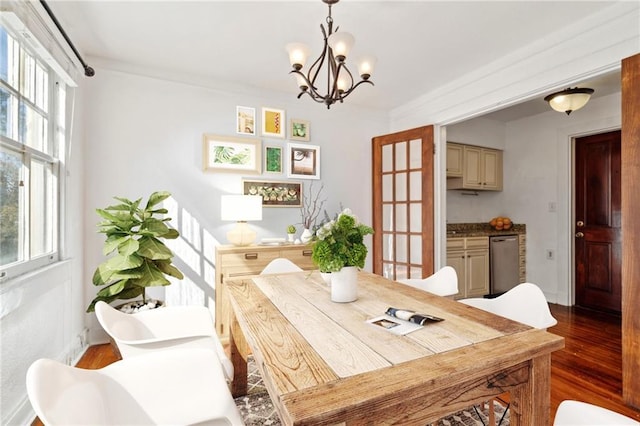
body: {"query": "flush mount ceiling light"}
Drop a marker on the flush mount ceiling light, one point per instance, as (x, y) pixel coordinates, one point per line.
(569, 100)
(339, 80)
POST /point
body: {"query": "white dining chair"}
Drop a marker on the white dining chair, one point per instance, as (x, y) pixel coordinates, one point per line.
(280, 265)
(576, 413)
(162, 329)
(444, 282)
(178, 387)
(525, 303)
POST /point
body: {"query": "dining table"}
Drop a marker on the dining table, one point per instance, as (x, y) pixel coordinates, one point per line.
(326, 363)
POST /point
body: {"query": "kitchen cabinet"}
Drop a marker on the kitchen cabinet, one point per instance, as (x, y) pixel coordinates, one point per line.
(481, 168)
(240, 261)
(454, 159)
(470, 258)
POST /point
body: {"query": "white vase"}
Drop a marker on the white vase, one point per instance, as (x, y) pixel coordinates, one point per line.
(306, 236)
(291, 237)
(344, 285)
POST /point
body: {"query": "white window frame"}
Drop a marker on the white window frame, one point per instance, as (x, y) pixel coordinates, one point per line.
(55, 138)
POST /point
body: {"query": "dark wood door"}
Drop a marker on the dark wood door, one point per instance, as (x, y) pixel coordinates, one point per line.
(598, 242)
(402, 167)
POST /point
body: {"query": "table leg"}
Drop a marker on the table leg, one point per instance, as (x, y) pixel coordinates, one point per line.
(530, 404)
(238, 353)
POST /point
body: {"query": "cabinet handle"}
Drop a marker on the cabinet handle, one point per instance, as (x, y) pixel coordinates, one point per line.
(251, 256)
(306, 252)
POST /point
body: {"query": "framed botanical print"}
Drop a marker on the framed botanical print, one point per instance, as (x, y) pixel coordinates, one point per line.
(231, 154)
(274, 193)
(273, 122)
(303, 161)
(299, 130)
(245, 120)
(272, 159)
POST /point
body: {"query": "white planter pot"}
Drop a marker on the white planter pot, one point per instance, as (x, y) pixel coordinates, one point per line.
(306, 236)
(344, 285)
(291, 237)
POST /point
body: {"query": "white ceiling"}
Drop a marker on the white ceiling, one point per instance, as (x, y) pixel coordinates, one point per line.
(420, 45)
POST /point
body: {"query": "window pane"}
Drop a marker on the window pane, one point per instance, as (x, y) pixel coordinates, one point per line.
(387, 158)
(401, 217)
(28, 77)
(415, 151)
(8, 114)
(10, 247)
(401, 187)
(9, 58)
(33, 129)
(401, 156)
(41, 206)
(41, 87)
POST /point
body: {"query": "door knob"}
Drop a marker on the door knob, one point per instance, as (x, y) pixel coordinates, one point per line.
(580, 223)
(579, 235)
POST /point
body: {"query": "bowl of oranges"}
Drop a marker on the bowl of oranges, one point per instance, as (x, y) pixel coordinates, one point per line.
(501, 223)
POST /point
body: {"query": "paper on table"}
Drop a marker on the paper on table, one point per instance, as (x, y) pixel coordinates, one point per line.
(394, 325)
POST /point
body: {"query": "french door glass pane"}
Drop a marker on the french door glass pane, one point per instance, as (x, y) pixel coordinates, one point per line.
(387, 158)
(415, 186)
(401, 156)
(415, 151)
(387, 217)
(387, 188)
(415, 217)
(41, 207)
(387, 247)
(401, 217)
(416, 249)
(401, 187)
(401, 248)
(401, 272)
(10, 211)
(415, 272)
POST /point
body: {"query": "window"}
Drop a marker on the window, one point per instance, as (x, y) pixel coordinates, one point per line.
(31, 146)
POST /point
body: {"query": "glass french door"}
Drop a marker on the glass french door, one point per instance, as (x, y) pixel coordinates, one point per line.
(403, 204)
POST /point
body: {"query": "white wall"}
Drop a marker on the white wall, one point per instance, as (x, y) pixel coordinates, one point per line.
(145, 134)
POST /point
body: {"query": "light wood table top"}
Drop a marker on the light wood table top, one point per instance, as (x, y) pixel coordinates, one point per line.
(322, 363)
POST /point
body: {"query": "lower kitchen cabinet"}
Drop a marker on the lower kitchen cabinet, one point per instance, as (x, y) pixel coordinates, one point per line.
(470, 258)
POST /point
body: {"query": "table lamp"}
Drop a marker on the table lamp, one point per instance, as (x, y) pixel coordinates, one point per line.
(241, 208)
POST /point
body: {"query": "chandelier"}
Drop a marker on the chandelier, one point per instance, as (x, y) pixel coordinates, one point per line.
(339, 80)
(569, 100)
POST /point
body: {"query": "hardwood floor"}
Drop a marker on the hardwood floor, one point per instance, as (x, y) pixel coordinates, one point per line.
(587, 369)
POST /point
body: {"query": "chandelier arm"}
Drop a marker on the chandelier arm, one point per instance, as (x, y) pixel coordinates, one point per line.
(345, 94)
(319, 62)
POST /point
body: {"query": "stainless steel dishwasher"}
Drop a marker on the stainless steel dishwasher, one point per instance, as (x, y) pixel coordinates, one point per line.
(503, 258)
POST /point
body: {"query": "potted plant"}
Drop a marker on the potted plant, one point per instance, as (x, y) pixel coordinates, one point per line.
(134, 234)
(291, 232)
(339, 248)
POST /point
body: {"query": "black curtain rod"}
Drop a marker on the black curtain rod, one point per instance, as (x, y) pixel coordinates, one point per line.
(88, 71)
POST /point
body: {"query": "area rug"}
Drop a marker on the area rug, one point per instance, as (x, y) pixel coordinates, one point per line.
(257, 409)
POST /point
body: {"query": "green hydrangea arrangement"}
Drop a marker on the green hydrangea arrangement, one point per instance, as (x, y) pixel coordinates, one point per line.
(339, 243)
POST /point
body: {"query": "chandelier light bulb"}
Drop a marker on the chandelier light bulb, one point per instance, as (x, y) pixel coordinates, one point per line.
(298, 54)
(366, 64)
(341, 44)
(343, 84)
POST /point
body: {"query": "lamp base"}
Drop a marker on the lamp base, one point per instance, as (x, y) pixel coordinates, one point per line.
(241, 235)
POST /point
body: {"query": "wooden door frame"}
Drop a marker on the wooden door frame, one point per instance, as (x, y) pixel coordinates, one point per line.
(630, 168)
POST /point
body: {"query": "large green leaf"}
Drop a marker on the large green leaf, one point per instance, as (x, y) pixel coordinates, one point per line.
(152, 248)
(127, 273)
(130, 292)
(152, 276)
(102, 274)
(166, 267)
(159, 211)
(128, 247)
(112, 289)
(118, 262)
(156, 198)
(171, 234)
(153, 227)
(113, 241)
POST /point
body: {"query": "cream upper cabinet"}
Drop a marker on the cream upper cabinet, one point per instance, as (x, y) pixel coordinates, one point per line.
(454, 159)
(481, 168)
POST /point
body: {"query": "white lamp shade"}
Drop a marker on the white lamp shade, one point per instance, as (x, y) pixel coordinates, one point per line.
(298, 54)
(241, 208)
(366, 64)
(341, 44)
(571, 102)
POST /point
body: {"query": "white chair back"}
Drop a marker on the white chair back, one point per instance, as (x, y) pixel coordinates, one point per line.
(576, 413)
(138, 390)
(279, 266)
(443, 283)
(162, 329)
(524, 303)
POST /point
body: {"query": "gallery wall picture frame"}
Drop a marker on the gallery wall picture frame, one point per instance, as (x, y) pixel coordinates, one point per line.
(273, 122)
(274, 193)
(272, 159)
(231, 154)
(299, 130)
(245, 120)
(303, 161)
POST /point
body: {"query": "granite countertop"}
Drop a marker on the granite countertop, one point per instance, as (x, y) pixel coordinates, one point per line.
(461, 230)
